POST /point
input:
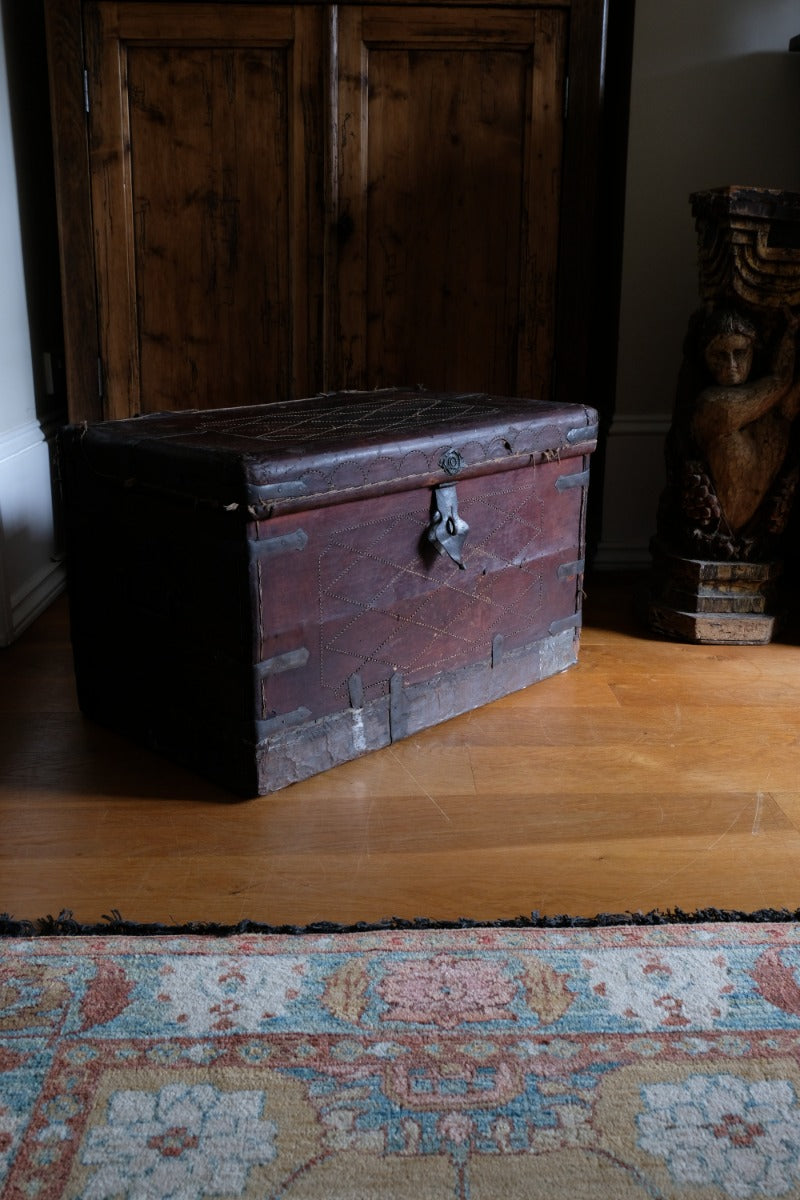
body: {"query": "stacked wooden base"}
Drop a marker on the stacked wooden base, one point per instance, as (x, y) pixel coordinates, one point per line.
(697, 600)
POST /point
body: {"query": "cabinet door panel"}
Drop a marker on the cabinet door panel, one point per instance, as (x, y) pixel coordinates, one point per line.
(451, 125)
(206, 151)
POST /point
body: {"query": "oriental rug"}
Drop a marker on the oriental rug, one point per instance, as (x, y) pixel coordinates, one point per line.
(479, 1063)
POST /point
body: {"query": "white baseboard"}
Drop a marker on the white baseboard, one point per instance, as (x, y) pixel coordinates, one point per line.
(634, 477)
(38, 594)
(31, 574)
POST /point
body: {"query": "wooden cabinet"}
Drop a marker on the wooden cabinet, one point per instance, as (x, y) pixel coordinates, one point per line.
(206, 154)
(450, 128)
(261, 200)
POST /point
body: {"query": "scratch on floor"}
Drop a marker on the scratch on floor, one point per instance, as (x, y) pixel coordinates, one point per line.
(697, 857)
(757, 814)
(423, 789)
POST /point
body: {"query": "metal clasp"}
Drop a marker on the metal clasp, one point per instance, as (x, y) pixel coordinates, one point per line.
(447, 529)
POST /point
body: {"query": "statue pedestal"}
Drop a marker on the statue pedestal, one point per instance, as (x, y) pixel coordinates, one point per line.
(713, 603)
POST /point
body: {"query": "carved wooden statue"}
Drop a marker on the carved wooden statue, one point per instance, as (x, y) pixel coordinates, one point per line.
(732, 462)
(733, 450)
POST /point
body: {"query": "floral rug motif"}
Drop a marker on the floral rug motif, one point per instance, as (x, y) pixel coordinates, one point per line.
(479, 1063)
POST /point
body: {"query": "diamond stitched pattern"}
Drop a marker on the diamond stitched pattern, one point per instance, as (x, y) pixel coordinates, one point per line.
(418, 618)
(409, 412)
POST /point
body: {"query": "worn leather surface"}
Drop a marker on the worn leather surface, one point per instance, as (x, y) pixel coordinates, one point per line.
(332, 447)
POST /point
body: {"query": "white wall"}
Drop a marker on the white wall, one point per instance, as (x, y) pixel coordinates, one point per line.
(29, 574)
(715, 101)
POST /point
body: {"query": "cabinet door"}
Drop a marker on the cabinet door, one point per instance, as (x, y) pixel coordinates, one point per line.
(450, 142)
(206, 157)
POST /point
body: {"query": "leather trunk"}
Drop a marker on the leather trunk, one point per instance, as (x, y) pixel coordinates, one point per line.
(264, 592)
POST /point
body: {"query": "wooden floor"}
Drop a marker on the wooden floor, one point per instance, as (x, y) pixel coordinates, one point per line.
(653, 775)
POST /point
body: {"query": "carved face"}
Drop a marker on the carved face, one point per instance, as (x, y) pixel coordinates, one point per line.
(729, 358)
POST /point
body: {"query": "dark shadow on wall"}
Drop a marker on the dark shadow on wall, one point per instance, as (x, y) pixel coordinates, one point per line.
(609, 225)
(736, 118)
(26, 61)
(23, 31)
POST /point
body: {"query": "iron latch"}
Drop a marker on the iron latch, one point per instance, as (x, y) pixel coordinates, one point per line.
(447, 529)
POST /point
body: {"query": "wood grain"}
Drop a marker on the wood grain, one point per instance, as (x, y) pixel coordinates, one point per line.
(652, 775)
(449, 195)
(207, 160)
(73, 198)
(112, 213)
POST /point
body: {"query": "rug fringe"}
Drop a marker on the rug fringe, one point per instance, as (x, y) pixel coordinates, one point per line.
(64, 925)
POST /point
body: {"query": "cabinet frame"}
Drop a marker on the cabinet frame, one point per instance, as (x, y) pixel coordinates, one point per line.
(587, 296)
